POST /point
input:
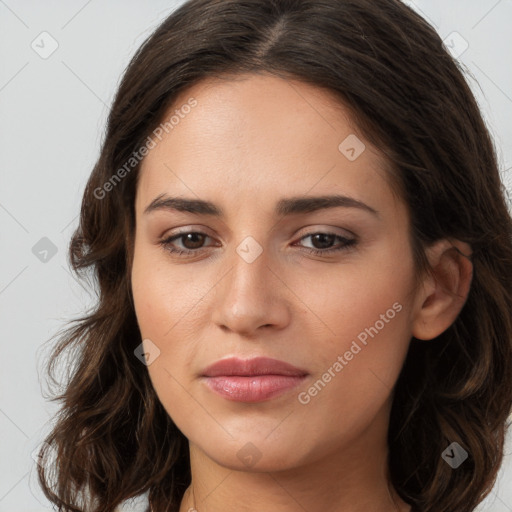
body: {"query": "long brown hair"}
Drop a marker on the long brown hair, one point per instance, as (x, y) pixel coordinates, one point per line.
(409, 97)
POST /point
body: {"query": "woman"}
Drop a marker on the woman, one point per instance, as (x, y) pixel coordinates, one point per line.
(304, 257)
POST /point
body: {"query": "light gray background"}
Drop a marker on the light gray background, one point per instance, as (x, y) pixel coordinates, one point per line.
(52, 117)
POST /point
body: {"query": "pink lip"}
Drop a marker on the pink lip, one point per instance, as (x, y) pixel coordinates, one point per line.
(252, 380)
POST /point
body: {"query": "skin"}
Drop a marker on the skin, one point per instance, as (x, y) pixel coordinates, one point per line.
(247, 144)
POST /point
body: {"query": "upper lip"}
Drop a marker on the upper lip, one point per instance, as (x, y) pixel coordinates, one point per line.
(251, 367)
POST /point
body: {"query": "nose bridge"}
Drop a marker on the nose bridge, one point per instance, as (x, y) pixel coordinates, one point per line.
(250, 269)
(249, 296)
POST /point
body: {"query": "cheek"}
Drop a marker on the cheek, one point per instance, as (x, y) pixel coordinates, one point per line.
(360, 355)
(356, 373)
(163, 295)
(168, 308)
(361, 303)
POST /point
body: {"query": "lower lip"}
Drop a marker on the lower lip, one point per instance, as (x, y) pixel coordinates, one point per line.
(256, 388)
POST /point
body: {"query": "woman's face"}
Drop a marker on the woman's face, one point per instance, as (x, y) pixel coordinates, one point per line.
(258, 151)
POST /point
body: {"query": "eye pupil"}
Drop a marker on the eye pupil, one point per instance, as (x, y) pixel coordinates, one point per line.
(325, 239)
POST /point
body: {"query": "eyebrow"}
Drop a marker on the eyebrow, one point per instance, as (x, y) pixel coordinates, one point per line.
(284, 207)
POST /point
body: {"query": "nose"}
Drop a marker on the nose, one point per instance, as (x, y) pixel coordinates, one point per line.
(251, 296)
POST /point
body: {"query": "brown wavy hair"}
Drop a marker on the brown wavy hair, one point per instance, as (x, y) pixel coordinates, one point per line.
(387, 65)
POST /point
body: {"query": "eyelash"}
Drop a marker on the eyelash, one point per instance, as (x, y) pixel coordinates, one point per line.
(346, 243)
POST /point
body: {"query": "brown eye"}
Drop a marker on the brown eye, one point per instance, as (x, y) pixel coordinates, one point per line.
(191, 242)
(322, 243)
(323, 240)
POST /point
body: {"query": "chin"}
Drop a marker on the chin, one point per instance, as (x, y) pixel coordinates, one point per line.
(255, 454)
(262, 462)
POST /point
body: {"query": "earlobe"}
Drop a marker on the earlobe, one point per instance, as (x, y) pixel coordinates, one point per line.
(444, 290)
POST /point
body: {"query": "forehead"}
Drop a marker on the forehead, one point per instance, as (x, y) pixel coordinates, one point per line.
(260, 137)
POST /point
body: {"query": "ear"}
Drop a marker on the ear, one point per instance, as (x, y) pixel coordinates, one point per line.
(444, 290)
